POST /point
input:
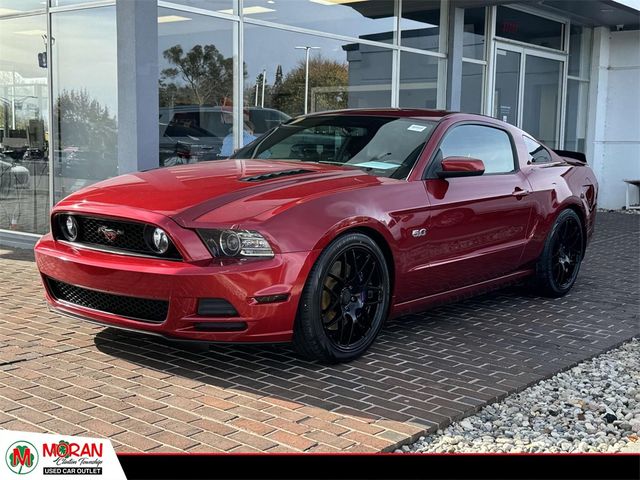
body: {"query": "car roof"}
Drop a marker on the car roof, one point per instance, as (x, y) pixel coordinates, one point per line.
(390, 112)
(417, 113)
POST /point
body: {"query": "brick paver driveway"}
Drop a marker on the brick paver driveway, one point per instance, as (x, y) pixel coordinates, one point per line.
(65, 376)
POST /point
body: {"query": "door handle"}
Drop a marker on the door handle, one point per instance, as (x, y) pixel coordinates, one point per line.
(519, 192)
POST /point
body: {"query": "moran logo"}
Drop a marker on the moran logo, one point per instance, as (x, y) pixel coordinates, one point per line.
(21, 457)
(64, 449)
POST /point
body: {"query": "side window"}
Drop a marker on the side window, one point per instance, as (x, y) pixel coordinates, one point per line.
(537, 153)
(491, 145)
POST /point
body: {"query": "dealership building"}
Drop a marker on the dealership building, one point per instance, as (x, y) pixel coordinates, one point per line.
(93, 89)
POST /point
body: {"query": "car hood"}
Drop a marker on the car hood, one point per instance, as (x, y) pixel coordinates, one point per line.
(221, 192)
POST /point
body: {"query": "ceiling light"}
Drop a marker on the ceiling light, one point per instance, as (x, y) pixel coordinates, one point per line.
(172, 18)
(249, 10)
(336, 2)
(31, 32)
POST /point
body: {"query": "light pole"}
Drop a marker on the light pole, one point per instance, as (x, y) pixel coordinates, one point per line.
(264, 81)
(306, 76)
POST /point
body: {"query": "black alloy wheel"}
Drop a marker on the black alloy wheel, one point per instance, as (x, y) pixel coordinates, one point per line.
(345, 300)
(351, 296)
(567, 253)
(558, 266)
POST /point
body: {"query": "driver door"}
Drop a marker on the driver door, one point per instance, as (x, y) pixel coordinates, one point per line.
(478, 224)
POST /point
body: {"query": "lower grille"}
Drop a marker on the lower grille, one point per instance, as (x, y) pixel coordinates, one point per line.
(131, 307)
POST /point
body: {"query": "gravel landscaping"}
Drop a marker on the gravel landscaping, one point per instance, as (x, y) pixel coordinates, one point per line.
(592, 407)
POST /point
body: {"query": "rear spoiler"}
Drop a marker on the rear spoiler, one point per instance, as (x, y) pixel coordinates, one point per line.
(580, 157)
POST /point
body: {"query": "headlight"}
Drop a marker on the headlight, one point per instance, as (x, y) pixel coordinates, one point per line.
(159, 241)
(69, 228)
(236, 243)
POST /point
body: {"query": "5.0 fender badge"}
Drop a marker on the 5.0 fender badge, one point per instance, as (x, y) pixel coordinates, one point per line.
(418, 232)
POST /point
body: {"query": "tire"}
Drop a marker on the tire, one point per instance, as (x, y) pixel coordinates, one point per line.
(558, 266)
(349, 280)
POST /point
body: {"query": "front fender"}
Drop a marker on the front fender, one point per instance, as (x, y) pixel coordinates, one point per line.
(352, 223)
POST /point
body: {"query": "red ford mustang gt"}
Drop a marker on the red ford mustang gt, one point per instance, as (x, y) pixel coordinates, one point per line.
(321, 229)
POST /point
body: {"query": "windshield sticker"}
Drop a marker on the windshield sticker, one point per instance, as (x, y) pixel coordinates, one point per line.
(416, 128)
(378, 165)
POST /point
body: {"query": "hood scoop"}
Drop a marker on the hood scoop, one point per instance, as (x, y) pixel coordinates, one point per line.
(269, 176)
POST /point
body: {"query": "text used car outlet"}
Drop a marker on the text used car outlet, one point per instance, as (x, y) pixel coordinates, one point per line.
(322, 228)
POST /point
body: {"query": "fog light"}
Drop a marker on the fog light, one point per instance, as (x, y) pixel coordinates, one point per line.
(160, 241)
(70, 229)
(215, 307)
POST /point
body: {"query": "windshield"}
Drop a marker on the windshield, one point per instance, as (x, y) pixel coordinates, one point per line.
(185, 127)
(382, 146)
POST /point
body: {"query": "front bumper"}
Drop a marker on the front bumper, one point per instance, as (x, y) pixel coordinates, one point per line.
(181, 284)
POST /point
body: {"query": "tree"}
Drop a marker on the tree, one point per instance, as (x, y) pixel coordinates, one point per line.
(328, 82)
(200, 76)
(278, 80)
(84, 122)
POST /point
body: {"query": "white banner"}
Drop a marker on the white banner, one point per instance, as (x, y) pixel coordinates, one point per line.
(53, 457)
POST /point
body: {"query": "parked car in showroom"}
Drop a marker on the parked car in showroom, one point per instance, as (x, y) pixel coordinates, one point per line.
(195, 133)
(320, 230)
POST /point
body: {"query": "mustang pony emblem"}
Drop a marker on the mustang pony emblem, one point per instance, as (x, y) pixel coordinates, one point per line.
(110, 234)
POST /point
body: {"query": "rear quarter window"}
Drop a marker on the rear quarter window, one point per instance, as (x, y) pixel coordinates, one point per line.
(537, 152)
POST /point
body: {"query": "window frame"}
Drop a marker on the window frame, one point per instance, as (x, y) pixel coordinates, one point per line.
(431, 168)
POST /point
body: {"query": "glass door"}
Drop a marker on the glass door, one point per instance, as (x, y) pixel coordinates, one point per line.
(541, 99)
(528, 91)
(506, 98)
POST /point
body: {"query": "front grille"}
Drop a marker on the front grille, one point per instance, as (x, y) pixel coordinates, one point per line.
(129, 237)
(154, 311)
(132, 237)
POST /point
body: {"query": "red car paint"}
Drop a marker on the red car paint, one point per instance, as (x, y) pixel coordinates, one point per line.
(483, 231)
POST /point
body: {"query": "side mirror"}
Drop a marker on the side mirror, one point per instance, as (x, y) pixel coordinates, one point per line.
(461, 167)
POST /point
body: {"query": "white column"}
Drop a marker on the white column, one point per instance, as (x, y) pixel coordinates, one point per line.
(454, 58)
(137, 28)
(598, 87)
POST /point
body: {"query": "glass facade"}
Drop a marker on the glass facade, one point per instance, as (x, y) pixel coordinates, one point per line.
(473, 40)
(195, 68)
(472, 87)
(84, 148)
(575, 127)
(14, 7)
(419, 80)
(24, 125)
(540, 107)
(528, 28)
(372, 20)
(474, 63)
(340, 74)
(420, 25)
(229, 70)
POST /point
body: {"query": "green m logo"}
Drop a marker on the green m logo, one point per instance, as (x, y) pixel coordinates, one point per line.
(21, 457)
